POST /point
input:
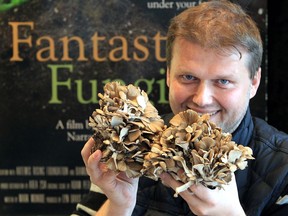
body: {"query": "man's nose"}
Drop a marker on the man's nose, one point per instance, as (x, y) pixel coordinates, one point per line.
(203, 94)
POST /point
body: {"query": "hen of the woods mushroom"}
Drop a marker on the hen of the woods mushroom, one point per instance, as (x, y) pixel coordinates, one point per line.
(134, 139)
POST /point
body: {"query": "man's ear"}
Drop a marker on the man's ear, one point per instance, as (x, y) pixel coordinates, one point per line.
(168, 77)
(255, 83)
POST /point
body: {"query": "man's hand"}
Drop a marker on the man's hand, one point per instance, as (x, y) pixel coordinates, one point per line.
(120, 190)
(205, 201)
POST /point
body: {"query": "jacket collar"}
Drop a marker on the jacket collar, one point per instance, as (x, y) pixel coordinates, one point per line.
(242, 135)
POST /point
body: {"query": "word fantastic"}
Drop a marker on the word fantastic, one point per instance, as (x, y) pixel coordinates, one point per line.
(118, 46)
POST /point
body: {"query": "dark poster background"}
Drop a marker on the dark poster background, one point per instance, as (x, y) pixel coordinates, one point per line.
(278, 64)
(47, 94)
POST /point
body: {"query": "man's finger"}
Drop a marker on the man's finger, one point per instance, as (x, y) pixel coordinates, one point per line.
(86, 150)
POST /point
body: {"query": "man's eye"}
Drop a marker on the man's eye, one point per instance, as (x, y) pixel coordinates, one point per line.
(224, 82)
(188, 77)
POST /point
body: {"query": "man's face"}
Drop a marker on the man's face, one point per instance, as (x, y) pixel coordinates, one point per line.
(209, 82)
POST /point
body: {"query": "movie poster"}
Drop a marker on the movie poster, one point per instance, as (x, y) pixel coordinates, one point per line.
(55, 57)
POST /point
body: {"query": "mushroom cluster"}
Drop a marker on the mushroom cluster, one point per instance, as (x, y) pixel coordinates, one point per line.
(194, 150)
(133, 139)
(124, 127)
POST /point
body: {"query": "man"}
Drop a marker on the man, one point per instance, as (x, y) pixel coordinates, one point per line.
(214, 54)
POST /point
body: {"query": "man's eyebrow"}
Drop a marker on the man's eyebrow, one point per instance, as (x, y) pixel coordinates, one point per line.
(224, 75)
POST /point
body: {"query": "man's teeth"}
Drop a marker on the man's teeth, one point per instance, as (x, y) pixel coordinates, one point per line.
(210, 114)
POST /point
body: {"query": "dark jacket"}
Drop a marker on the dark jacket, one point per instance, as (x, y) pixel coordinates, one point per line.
(260, 185)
